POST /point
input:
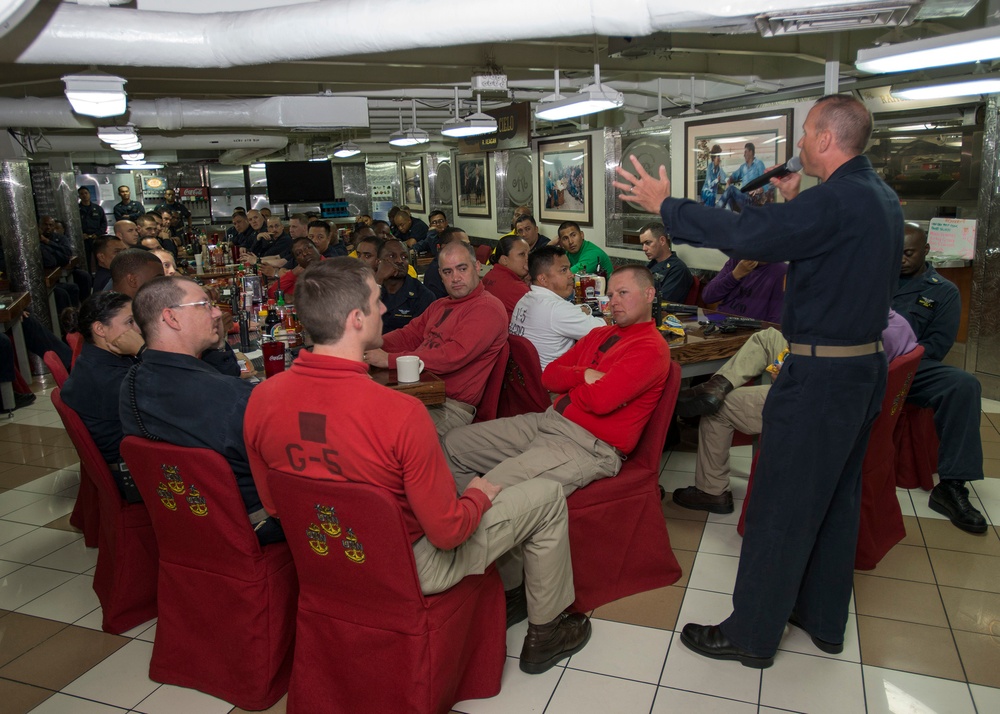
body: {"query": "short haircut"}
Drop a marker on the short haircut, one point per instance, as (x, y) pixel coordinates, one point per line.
(542, 259)
(657, 229)
(449, 235)
(431, 215)
(360, 231)
(326, 293)
(641, 274)
(374, 240)
(146, 218)
(99, 307)
(568, 224)
(749, 145)
(125, 186)
(385, 245)
(129, 262)
(380, 223)
(300, 217)
(154, 297)
(504, 247)
(911, 228)
(297, 241)
(847, 119)
(525, 217)
(239, 212)
(150, 214)
(102, 242)
(321, 224)
(468, 246)
(83, 188)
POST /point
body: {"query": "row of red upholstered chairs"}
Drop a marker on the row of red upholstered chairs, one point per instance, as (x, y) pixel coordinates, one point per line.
(328, 614)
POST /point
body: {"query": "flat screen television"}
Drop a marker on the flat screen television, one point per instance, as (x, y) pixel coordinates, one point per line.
(299, 181)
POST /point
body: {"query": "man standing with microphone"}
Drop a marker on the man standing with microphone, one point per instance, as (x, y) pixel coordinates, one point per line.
(843, 240)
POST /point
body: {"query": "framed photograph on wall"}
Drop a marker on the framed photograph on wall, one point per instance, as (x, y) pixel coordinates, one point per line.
(564, 181)
(715, 148)
(473, 181)
(414, 185)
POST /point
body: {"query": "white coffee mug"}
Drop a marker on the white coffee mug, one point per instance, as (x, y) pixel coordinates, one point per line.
(198, 262)
(408, 368)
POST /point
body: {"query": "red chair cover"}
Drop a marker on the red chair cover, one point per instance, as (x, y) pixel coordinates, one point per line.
(56, 367)
(367, 639)
(75, 341)
(617, 532)
(487, 408)
(694, 294)
(483, 253)
(881, 525)
(125, 577)
(227, 605)
(917, 444)
(522, 391)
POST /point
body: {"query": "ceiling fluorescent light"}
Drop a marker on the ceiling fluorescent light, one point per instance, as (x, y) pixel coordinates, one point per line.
(589, 100)
(473, 125)
(127, 146)
(347, 150)
(138, 167)
(117, 134)
(939, 90)
(411, 136)
(133, 157)
(96, 94)
(956, 48)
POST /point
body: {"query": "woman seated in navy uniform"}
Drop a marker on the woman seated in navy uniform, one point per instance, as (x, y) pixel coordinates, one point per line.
(111, 342)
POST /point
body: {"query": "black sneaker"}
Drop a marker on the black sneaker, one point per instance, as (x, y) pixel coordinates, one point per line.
(951, 498)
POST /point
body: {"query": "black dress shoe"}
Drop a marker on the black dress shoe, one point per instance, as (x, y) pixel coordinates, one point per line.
(951, 498)
(545, 645)
(697, 500)
(517, 605)
(708, 640)
(704, 399)
(23, 400)
(824, 645)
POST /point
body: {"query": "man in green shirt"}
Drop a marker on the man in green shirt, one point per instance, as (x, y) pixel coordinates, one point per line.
(584, 256)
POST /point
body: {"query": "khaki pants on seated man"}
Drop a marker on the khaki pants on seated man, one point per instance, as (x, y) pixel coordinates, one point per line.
(450, 415)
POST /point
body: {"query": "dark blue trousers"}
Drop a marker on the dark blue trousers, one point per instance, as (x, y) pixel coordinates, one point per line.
(802, 519)
(954, 395)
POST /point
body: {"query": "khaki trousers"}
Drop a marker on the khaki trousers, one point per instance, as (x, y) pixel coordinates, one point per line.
(741, 411)
(754, 356)
(516, 449)
(450, 415)
(531, 517)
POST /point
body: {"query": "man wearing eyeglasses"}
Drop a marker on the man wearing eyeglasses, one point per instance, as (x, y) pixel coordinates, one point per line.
(178, 322)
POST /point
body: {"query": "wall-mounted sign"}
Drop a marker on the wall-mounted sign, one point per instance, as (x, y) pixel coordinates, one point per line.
(513, 129)
(193, 192)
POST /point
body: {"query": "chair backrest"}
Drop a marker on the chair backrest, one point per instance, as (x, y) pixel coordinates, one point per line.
(901, 371)
(487, 407)
(351, 546)
(75, 341)
(56, 367)
(195, 505)
(694, 293)
(522, 391)
(90, 455)
(650, 447)
(483, 253)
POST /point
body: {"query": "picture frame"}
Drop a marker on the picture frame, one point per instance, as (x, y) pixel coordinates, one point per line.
(472, 181)
(565, 182)
(771, 133)
(414, 183)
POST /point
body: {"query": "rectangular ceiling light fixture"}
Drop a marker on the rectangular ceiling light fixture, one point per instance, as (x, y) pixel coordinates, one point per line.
(956, 48)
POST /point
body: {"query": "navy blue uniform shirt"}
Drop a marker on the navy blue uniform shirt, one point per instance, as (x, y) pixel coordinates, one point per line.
(405, 304)
(92, 392)
(673, 279)
(933, 307)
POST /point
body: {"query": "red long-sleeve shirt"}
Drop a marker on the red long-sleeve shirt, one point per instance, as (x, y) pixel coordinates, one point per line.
(340, 425)
(635, 361)
(504, 283)
(458, 340)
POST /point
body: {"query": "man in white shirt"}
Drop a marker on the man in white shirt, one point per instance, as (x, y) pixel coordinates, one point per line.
(543, 316)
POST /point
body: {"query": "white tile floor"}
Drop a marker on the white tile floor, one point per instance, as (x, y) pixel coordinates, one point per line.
(625, 668)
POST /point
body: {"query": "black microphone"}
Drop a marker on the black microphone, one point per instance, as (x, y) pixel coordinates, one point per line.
(789, 167)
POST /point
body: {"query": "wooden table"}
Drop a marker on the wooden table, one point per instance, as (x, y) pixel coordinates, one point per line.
(429, 390)
(698, 353)
(11, 312)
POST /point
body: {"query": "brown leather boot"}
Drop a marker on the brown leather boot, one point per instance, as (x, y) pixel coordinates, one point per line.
(697, 500)
(704, 399)
(544, 645)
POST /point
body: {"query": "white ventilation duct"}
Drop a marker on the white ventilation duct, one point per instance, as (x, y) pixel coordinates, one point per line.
(12, 12)
(152, 142)
(76, 35)
(291, 113)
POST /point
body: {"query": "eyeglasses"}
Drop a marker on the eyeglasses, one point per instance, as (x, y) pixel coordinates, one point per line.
(200, 303)
(438, 221)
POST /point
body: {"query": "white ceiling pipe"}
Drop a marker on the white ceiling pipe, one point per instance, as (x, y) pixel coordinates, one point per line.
(13, 11)
(78, 35)
(152, 142)
(171, 114)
